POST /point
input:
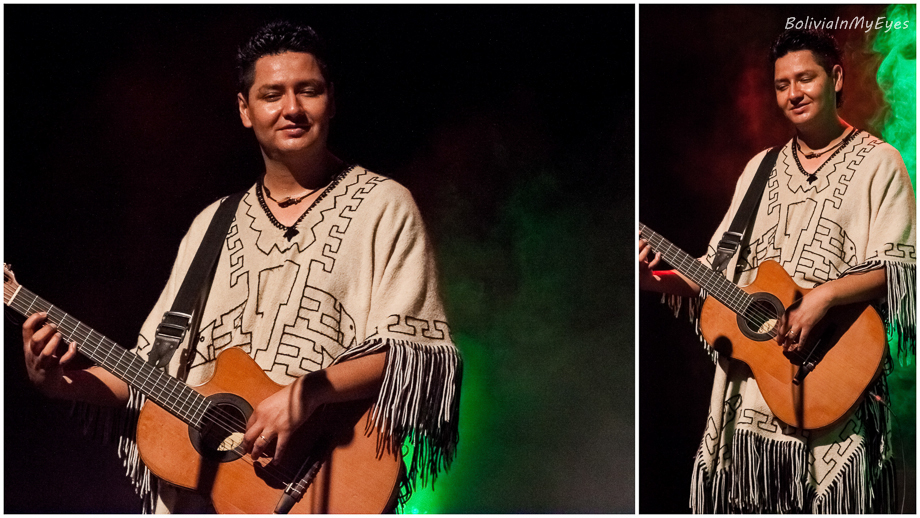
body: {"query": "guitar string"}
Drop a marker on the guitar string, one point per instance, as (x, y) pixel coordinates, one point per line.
(747, 303)
(226, 422)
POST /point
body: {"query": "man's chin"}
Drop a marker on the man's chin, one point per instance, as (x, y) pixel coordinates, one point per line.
(802, 120)
(295, 154)
(297, 146)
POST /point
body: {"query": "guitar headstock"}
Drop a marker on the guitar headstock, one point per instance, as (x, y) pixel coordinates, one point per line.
(10, 286)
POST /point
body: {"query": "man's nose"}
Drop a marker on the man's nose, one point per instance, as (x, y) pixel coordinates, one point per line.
(795, 92)
(291, 106)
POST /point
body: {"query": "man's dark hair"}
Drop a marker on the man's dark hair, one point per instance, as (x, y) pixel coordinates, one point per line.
(277, 38)
(822, 45)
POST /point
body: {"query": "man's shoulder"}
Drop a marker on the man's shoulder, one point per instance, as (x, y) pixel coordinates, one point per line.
(380, 188)
(878, 147)
(203, 219)
(754, 163)
(877, 160)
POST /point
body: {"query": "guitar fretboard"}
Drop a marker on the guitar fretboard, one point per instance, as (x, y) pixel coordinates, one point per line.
(168, 392)
(715, 284)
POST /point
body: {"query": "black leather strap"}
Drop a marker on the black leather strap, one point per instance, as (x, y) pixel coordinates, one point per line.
(731, 239)
(175, 323)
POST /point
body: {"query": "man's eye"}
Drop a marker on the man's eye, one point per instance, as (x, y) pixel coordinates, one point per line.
(311, 92)
(271, 97)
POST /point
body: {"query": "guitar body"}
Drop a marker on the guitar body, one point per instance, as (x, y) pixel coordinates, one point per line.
(352, 479)
(851, 350)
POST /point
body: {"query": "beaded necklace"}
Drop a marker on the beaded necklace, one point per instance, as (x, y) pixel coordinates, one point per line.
(814, 176)
(290, 232)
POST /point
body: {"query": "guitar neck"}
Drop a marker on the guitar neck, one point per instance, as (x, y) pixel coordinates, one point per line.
(715, 284)
(168, 392)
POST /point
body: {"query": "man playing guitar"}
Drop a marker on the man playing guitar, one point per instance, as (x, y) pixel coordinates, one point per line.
(326, 279)
(837, 214)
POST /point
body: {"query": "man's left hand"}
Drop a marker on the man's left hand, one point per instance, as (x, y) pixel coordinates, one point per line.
(275, 419)
(796, 325)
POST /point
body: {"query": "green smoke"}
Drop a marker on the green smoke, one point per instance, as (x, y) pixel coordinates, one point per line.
(547, 398)
(897, 79)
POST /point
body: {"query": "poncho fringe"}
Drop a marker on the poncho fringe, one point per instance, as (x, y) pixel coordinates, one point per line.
(694, 305)
(900, 309)
(771, 479)
(413, 407)
(145, 484)
(121, 423)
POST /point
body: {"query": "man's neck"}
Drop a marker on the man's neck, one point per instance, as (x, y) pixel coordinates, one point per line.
(292, 177)
(818, 136)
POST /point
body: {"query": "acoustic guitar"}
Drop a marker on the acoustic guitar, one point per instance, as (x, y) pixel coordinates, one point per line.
(191, 436)
(812, 388)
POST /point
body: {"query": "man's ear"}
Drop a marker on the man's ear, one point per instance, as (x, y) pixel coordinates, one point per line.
(244, 110)
(838, 77)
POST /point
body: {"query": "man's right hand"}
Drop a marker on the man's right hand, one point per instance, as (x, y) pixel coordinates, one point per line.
(662, 281)
(648, 259)
(46, 354)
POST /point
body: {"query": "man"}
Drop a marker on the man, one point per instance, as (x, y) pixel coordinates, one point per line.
(326, 279)
(837, 213)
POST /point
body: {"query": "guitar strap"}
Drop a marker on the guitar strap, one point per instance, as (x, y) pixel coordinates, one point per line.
(192, 294)
(731, 239)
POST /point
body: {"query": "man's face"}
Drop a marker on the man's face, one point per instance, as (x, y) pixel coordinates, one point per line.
(804, 91)
(289, 105)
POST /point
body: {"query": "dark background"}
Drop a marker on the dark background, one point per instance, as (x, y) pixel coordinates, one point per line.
(706, 107)
(512, 126)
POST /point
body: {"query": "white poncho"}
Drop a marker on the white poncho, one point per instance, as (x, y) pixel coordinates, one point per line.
(858, 215)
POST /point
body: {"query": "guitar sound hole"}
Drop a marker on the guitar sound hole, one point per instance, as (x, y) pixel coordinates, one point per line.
(760, 317)
(222, 428)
